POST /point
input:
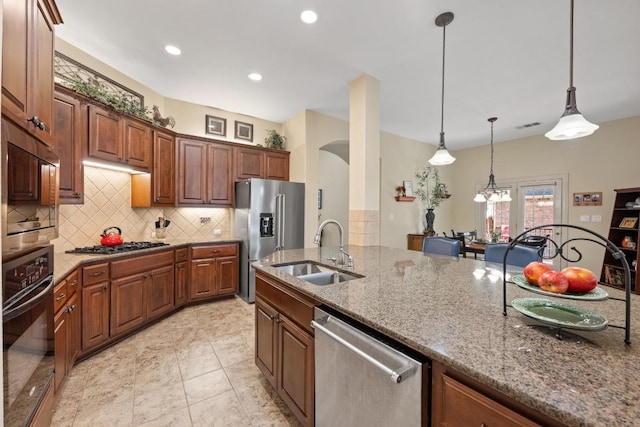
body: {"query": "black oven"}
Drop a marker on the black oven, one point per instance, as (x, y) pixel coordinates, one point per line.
(27, 340)
(29, 191)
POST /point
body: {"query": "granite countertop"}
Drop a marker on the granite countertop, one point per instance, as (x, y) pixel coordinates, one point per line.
(64, 263)
(451, 311)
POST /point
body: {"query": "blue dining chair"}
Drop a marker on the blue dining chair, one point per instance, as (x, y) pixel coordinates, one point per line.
(441, 246)
(519, 255)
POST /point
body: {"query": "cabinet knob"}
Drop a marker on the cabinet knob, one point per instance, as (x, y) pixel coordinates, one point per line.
(71, 308)
(37, 122)
(76, 195)
(97, 273)
(61, 296)
(272, 317)
(104, 287)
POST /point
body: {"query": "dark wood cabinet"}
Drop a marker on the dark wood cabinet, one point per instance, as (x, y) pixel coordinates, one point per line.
(27, 65)
(285, 344)
(95, 315)
(127, 309)
(60, 339)
(214, 271)
(163, 172)
(120, 139)
(415, 241)
(252, 162)
(74, 334)
(68, 138)
(204, 173)
(181, 276)
(23, 176)
(159, 292)
(624, 233)
(67, 326)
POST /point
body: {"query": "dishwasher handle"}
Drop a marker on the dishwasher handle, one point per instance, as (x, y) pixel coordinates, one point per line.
(396, 376)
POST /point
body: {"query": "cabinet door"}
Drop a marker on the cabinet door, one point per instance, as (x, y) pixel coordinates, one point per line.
(159, 289)
(15, 51)
(295, 369)
(106, 133)
(127, 303)
(137, 144)
(95, 315)
(227, 272)
(249, 163)
(192, 172)
(181, 283)
(68, 139)
(277, 166)
(202, 278)
(266, 336)
(41, 86)
(74, 329)
(23, 176)
(60, 337)
(163, 173)
(219, 171)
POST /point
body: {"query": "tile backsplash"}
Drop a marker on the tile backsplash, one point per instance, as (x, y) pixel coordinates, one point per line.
(107, 203)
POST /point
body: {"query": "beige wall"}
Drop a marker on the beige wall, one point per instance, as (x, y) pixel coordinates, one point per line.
(333, 179)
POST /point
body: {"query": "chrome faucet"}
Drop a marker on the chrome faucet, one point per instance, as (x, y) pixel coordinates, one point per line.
(343, 253)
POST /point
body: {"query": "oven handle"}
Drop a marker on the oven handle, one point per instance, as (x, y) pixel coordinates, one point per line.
(9, 312)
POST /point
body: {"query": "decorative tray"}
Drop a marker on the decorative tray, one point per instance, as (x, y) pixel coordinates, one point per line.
(560, 314)
(597, 294)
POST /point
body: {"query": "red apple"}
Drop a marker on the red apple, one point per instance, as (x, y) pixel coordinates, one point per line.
(580, 279)
(553, 281)
(534, 270)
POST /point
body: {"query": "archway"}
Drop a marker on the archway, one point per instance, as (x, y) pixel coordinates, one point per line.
(333, 185)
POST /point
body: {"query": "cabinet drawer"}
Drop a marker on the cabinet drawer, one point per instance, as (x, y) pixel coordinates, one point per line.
(140, 264)
(181, 255)
(60, 295)
(295, 306)
(478, 408)
(73, 283)
(95, 274)
(214, 251)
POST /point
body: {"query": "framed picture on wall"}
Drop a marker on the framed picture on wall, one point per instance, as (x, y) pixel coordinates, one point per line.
(244, 131)
(215, 125)
(587, 199)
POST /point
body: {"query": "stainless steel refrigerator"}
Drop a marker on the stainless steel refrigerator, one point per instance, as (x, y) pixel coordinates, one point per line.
(269, 216)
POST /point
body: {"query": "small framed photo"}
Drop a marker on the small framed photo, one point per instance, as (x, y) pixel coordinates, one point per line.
(628, 222)
(587, 199)
(614, 276)
(244, 131)
(408, 188)
(215, 125)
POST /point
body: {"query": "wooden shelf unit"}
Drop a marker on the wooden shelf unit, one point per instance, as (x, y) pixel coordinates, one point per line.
(612, 273)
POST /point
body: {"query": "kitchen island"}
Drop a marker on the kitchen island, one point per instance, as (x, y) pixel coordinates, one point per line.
(450, 310)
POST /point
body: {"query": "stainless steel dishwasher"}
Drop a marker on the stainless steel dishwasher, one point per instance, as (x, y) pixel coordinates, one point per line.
(361, 380)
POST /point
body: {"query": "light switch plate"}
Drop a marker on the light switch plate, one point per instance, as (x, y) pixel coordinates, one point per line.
(584, 218)
(596, 218)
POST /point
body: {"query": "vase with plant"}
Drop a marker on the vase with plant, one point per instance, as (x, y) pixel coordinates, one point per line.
(274, 140)
(431, 192)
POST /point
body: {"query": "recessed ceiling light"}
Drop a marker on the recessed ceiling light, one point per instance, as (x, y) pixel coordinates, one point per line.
(172, 50)
(309, 16)
(256, 77)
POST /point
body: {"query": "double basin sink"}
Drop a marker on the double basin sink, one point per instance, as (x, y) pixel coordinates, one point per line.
(315, 273)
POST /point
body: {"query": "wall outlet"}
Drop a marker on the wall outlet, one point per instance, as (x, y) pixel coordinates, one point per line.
(596, 218)
(217, 232)
(584, 218)
(204, 220)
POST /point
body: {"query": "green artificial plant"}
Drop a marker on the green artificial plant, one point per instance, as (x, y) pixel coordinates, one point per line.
(430, 189)
(274, 140)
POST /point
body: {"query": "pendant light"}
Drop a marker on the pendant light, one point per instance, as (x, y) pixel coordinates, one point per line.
(442, 156)
(491, 192)
(571, 125)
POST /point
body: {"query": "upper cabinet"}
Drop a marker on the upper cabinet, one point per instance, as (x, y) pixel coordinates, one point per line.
(204, 173)
(163, 174)
(27, 64)
(253, 162)
(68, 138)
(117, 138)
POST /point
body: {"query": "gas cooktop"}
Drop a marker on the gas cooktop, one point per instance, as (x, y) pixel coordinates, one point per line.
(118, 249)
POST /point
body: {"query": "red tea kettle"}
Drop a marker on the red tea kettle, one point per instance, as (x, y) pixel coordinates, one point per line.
(111, 238)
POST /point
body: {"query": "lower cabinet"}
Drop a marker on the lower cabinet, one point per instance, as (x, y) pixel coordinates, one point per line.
(181, 276)
(214, 271)
(95, 306)
(285, 345)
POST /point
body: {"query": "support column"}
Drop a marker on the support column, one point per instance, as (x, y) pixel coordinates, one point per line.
(364, 161)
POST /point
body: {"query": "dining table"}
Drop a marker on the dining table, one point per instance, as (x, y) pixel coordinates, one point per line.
(475, 248)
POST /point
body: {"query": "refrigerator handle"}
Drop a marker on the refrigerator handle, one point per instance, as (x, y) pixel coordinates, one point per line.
(278, 222)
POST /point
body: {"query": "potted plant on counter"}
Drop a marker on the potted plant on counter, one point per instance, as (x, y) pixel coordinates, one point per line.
(431, 192)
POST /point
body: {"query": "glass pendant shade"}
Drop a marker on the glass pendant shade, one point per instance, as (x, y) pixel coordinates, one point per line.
(491, 192)
(441, 156)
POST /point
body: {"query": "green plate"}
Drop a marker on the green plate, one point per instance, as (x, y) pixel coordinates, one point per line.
(596, 294)
(560, 314)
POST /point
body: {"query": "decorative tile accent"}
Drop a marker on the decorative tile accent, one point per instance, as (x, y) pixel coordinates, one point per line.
(364, 228)
(107, 203)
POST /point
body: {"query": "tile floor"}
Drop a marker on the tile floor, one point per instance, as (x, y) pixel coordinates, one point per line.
(195, 368)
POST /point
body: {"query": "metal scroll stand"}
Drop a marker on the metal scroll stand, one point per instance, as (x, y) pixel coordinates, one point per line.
(569, 253)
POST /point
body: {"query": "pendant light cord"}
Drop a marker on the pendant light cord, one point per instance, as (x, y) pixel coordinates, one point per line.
(444, 35)
(491, 171)
(571, 47)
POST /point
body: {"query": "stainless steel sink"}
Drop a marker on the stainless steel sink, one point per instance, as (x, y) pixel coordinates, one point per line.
(316, 274)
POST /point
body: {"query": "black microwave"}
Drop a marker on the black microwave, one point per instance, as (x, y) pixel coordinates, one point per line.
(29, 191)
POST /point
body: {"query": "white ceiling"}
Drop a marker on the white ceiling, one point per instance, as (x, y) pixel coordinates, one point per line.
(504, 58)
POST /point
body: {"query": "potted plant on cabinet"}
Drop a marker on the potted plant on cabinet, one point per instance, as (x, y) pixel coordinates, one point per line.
(431, 192)
(274, 140)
